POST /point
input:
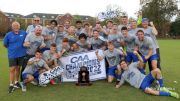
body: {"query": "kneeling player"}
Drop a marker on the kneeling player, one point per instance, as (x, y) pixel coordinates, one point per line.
(135, 78)
(35, 66)
(113, 57)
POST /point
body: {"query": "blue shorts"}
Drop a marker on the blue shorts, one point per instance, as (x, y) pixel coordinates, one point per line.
(152, 57)
(131, 57)
(111, 71)
(35, 75)
(148, 80)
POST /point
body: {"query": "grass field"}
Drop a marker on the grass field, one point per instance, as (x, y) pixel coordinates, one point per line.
(100, 90)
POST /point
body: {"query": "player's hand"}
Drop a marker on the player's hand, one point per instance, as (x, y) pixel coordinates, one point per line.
(43, 45)
(96, 52)
(36, 60)
(146, 57)
(28, 44)
(63, 51)
(151, 23)
(135, 52)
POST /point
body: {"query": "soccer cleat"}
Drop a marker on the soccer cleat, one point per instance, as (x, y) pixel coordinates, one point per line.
(23, 87)
(17, 85)
(174, 94)
(164, 89)
(11, 89)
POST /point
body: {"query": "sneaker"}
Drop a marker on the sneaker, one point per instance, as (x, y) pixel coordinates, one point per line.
(11, 89)
(17, 85)
(174, 94)
(164, 89)
(34, 82)
(23, 87)
(52, 82)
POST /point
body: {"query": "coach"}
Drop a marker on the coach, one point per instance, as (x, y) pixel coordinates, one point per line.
(13, 41)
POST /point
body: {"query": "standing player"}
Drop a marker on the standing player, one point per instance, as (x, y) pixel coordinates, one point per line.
(113, 57)
(129, 44)
(150, 31)
(146, 48)
(135, 78)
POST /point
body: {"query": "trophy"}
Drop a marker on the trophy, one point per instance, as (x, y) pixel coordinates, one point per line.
(83, 77)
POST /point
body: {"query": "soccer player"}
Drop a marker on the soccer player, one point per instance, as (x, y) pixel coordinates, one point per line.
(133, 30)
(51, 58)
(113, 57)
(64, 48)
(31, 28)
(124, 22)
(71, 35)
(129, 44)
(83, 42)
(97, 42)
(49, 34)
(150, 31)
(146, 49)
(13, 41)
(135, 78)
(60, 34)
(35, 66)
(115, 37)
(78, 27)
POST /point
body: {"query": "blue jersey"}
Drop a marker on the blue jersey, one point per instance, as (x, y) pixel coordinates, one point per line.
(14, 43)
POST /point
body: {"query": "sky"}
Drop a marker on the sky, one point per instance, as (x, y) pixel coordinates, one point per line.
(81, 7)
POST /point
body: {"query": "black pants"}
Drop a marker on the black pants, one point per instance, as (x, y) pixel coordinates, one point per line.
(158, 60)
(26, 58)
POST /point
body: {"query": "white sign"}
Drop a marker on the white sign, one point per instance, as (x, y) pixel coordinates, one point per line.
(73, 63)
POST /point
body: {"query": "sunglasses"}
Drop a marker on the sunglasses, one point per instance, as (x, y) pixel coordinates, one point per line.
(36, 20)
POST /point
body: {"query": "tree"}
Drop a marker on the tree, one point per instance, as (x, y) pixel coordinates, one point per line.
(160, 12)
(175, 30)
(112, 12)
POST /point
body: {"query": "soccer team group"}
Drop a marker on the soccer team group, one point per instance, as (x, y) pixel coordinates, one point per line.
(127, 48)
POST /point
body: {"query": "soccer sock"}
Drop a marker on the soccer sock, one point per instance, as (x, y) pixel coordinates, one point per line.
(118, 76)
(16, 82)
(11, 84)
(142, 70)
(161, 84)
(164, 93)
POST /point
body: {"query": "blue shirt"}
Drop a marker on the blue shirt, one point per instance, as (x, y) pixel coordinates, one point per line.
(14, 43)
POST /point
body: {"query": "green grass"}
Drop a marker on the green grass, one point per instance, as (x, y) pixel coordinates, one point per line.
(100, 90)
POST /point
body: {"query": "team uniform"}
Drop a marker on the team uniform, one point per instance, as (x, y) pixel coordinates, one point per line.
(138, 80)
(115, 39)
(149, 33)
(34, 68)
(113, 59)
(47, 55)
(134, 31)
(30, 29)
(79, 31)
(144, 47)
(84, 45)
(59, 37)
(130, 44)
(49, 33)
(98, 43)
(72, 39)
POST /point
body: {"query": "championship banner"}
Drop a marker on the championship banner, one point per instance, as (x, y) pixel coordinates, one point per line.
(73, 63)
